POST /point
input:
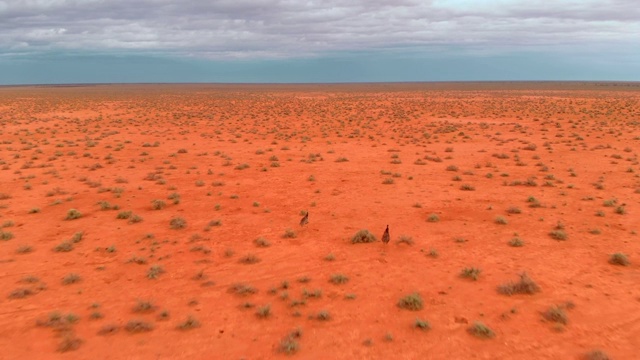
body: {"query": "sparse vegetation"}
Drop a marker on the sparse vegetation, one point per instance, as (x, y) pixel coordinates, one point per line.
(73, 214)
(619, 259)
(471, 273)
(363, 236)
(177, 223)
(411, 302)
(524, 286)
(481, 330)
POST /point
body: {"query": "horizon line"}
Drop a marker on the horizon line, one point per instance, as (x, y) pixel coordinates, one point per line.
(72, 84)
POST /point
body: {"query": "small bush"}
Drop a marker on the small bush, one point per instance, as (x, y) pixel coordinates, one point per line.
(516, 242)
(405, 239)
(249, 259)
(481, 330)
(263, 311)
(596, 355)
(422, 324)
(619, 259)
(69, 342)
(73, 214)
(323, 315)
(289, 345)
(77, 237)
(411, 302)
(524, 286)
(177, 223)
(363, 236)
(471, 273)
(154, 272)
(514, 210)
(71, 279)
(143, 307)
(433, 218)
(158, 204)
(501, 220)
(123, 215)
(21, 293)
(558, 235)
(261, 242)
(188, 324)
(242, 289)
(108, 329)
(338, 279)
(138, 326)
(289, 234)
(24, 249)
(555, 314)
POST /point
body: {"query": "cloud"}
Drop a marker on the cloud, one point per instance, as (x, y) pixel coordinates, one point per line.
(272, 29)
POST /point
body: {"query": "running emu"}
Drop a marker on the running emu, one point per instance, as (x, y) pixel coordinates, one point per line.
(385, 236)
(305, 219)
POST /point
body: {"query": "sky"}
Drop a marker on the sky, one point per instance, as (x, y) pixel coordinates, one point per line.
(285, 41)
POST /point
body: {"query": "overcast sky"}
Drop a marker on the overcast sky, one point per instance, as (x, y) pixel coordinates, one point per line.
(71, 41)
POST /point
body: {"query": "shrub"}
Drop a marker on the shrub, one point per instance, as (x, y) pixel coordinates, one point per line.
(524, 286)
(21, 293)
(144, 307)
(481, 330)
(158, 204)
(405, 239)
(263, 311)
(123, 215)
(471, 273)
(619, 259)
(323, 315)
(363, 236)
(69, 342)
(516, 242)
(558, 235)
(249, 259)
(65, 246)
(177, 223)
(154, 272)
(411, 302)
(138, 326)
(338, 279)
(71, 279)
(596, 355)
(289, 234)
(188, 324)
(555, 314)
(513, 210)
(433, 218)
(262, 242)
(242, 289)
(289, 345)
(73, 214)
(422, 324)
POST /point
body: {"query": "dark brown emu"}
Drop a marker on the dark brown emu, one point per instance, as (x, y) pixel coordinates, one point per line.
(385, 236)
(305, 219)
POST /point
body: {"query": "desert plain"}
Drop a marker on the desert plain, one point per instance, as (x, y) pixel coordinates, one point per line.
(163, 221)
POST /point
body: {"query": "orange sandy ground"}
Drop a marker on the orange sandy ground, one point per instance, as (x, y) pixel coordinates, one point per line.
(68, 148)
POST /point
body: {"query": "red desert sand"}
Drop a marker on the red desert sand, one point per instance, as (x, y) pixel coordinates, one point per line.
(165, 221)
